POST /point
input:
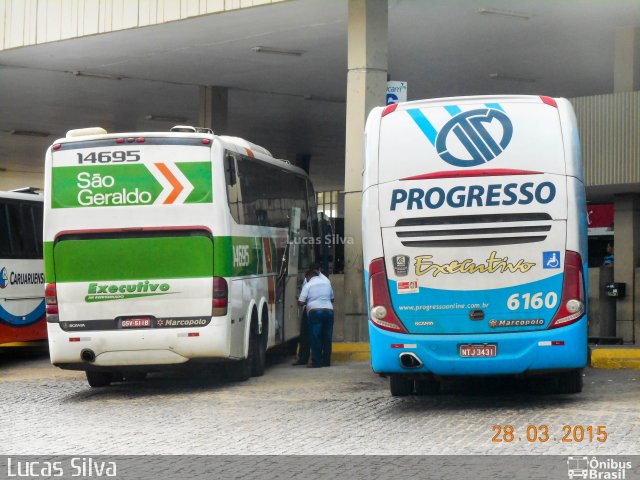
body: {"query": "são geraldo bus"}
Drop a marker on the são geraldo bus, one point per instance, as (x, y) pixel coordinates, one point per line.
(164, 248)
(22, 311)
(474, 228)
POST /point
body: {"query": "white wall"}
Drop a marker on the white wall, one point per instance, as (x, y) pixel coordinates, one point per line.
(29, 22)
(12, 180)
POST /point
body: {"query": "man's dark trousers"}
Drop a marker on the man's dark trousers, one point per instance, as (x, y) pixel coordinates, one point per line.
(304, 346)
(321, 330)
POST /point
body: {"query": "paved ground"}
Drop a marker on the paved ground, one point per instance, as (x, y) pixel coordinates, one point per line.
(294, 410)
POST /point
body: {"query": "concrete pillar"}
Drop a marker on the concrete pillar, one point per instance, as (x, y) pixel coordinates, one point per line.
(626, 67)
(366, 89)
(214, 109)
(627, 256)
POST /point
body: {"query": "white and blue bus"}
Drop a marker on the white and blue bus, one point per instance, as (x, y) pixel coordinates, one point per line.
(22, 311)
(475, 234)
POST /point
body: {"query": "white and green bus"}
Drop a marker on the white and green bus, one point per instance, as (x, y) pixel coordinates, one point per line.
(173, 247)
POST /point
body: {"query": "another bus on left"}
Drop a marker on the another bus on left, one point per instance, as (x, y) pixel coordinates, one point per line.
(22, 307)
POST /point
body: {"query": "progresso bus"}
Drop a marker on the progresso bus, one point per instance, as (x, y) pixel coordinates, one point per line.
(22, 311)
(474, 228)
(167, 248)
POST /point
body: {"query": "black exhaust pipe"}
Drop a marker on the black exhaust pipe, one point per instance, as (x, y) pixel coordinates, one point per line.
(88, 355)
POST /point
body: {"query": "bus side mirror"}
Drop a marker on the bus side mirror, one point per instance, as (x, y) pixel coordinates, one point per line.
(230, 170)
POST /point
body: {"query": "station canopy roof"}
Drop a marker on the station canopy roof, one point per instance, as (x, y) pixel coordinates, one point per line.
(296, 104)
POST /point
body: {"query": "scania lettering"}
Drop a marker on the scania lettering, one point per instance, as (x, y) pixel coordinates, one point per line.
(188, 248)
(474, 241)
(22, 311)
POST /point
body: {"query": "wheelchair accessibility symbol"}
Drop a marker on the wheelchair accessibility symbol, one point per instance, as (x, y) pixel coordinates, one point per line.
(551, 259)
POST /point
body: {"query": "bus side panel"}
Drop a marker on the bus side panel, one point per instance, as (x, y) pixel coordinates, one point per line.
(570, 139)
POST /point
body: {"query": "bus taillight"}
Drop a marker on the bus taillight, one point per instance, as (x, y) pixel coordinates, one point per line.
(220, 297)
(381, 310)
(572, 304)
(51, 301)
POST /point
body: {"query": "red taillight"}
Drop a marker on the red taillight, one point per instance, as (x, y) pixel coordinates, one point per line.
(120, 140)
(220, 297)
(389, 109)
(572, 304)
(381, 311)
(140, 140)
(57, 146)
(51, 301)
(206, 141)
(549, 101)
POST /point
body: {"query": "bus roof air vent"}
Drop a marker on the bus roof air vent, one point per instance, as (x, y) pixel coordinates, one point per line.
(81, 132)
(184, 129)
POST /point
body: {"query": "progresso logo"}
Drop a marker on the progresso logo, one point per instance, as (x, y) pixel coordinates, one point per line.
(469, 138)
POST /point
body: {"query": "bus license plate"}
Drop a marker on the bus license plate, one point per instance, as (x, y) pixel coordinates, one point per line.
(135, 322)
(478, 350)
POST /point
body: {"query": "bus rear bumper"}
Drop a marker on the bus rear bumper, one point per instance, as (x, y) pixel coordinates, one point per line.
(517, 353)
(117, 348)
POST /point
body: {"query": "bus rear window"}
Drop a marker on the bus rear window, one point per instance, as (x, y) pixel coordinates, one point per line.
(22, 224)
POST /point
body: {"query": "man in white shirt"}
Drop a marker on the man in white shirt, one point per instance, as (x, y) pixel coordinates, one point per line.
(304, 345)
(317, 296)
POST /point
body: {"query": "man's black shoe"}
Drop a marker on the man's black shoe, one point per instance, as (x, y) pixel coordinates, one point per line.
(298, 362)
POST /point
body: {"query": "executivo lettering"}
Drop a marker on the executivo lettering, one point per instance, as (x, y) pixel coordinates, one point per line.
(122, 291)
(493, 264)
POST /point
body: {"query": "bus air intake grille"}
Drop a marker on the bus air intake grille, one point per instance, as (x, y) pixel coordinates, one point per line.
(474, 230)
(473, 242)
(466, 219)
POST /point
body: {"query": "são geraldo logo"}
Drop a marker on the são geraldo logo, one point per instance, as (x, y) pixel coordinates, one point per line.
(469, 138)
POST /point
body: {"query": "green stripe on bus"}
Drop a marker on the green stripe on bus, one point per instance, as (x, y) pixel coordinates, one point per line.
(163, 257)
(133, 259)
(222, 257)
(49, 270)
(125, 185)
(199, 174)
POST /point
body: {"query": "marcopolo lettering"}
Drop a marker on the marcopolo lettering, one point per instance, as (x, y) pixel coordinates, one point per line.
(473, 196)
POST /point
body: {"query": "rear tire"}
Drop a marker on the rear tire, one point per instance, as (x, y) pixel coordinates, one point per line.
(260, 357)
(240, 371)
(99, 379)
(427, 387)
(570, 382)
(400, 385)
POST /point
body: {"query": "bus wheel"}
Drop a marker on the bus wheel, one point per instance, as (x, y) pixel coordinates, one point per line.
(99, 379)
(240, 371)
(400, 385)
(427, 387)
(260, 354)
(570, 382)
